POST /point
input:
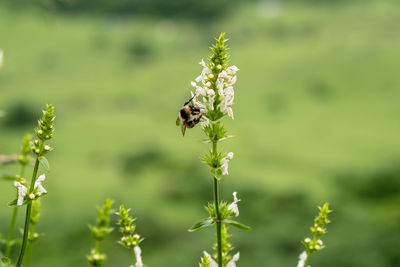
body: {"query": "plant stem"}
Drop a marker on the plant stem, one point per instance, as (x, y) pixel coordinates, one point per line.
(29, 249)
(133, 256)
(308, 259)
(218, 224)
(11, 232)
(13, 221)
(28, 215)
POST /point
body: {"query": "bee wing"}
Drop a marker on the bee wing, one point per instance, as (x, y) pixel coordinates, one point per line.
(183, 129)
(178, 121)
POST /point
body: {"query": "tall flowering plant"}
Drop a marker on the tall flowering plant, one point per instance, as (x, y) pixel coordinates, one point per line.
(211, 101)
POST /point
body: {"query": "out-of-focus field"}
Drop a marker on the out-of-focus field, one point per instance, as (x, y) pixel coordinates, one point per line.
(317, 118)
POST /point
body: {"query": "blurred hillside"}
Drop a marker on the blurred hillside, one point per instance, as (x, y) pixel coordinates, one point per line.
(316, 119)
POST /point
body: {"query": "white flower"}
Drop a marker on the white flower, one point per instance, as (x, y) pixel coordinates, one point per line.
(38, 184)
(233, 207)
(1, 58)
(232, 70)
(197, 103)
(302, 259)
(211, 98)
(213, 263)
(199, 90)
(224, 163)
(223, 75)
(204, 72)
(138, 255)
(21, 192)
(231, 263)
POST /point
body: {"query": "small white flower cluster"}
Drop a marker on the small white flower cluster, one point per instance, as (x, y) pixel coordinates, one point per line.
(233, 207)
(138, 255)
(22, 190)
(302, 259)
(231, 263)
(225, 82)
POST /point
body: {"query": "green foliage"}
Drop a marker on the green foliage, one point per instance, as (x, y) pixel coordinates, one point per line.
(96, 259)
(129, 239)
(24, 157)
(237, 224)
(215, 131)
(318, 230)
(101, 230)
(201, 224)
(295, 149)
(204, 262)
(45, 130)
(188, 9)
(226, 246)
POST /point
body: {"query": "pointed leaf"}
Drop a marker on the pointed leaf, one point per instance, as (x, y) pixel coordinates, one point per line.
(237, 225)
(8, 177)
(5, 260)
(45, 163)
(14, 202)
(201, 224)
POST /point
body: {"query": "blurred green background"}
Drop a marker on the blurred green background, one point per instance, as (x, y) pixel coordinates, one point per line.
(317, 118)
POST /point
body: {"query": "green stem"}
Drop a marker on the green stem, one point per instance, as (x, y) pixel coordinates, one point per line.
(11, 232)
(28, 215)
(308, 259)
(13, 221)
(133, 255)
(218, 224)
(29, 249)
(97, 246)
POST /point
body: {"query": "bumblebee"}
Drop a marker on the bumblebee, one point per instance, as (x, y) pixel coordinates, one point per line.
(189, 115)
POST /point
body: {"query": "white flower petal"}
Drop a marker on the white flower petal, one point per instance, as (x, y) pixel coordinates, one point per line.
(38, 184)
(21, 192)
(233, 207)
(302, 259)
(138, 256)
(224, 163)
(210, 259)
(222, 75)
(232, 70)
(232, 262)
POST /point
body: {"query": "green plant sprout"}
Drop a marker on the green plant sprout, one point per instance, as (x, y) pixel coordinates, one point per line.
(44, 132)
(99, 232)
(129, 238)
(315, 244)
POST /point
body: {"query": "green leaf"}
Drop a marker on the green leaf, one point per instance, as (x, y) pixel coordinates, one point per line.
(204, 223)
(217, 173)
(8, 177)
(44, 162)
(5, 260)
(237, 225)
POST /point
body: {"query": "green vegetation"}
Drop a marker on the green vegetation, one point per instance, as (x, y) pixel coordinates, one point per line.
(317, 120)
